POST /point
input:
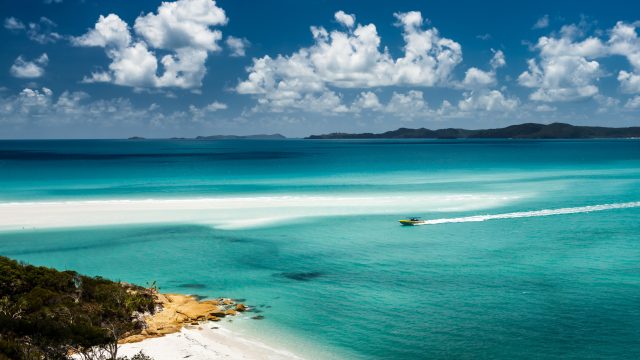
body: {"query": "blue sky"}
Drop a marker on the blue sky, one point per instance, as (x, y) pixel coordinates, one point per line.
(105, 69)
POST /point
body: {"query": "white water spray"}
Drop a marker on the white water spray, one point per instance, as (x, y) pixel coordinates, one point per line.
(536, 213)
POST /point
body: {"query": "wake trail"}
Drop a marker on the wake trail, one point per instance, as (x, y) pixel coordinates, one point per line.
(536, 213)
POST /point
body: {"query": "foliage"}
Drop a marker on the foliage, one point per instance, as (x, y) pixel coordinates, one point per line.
(49, 314)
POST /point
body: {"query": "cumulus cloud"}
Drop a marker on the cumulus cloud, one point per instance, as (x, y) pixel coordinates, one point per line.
(545, 108)
(486, 100)
(41, 108)
(366, 100)
(25, 69)
(109, 31)
(183, 28)
(237, 46)
(542, 22)
(200, 114)
(345, 19)
(566, 69)
(215, 106)
(183, 24)
(41, 32)
(624, 41)
(475, 78)
(633, 103)
(408, 104)
(352, 59)
(14, 24)
(629, 82)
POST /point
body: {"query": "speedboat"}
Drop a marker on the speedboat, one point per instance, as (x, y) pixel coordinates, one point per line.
(412, 221)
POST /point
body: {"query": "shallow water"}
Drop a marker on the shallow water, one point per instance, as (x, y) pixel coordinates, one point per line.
(347, 278)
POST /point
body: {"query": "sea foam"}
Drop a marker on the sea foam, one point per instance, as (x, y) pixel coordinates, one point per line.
(535, 213)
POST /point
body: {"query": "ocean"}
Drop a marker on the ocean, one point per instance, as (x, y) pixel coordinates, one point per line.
(531, 248)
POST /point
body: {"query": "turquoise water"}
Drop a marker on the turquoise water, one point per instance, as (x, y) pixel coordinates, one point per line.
(351, 281)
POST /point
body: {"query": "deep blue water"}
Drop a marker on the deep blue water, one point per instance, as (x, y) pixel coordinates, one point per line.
(348, 279)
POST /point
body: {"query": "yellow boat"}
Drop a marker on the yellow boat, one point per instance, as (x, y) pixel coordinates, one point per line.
(412, 221)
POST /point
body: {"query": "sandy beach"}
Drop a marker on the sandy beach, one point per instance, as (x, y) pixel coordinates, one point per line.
(210, 340)
(185, 327)
(230, 212)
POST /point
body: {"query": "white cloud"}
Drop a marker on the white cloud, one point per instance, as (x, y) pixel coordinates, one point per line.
(12, 23)
(566, 70)
(545, 108)
(409, 104)
(542, 22)
(97, 77)
(352, 59)
(183, 24)
(606, 103)
(109, 31)
(134, 66)
(475, 78)
(345, 19)
(633, 103)
(29, 102)
(486, 100)
(366, 100)
(624, 41)
(201, 114)
(25, 69)
(237, 46)
(216, 105)
(41, 32)
(629, 82)
(182, 27)
(41, 107)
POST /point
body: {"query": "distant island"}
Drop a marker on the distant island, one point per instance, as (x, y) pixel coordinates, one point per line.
(522, 131)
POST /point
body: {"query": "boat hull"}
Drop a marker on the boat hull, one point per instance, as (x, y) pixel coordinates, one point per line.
(412, 222)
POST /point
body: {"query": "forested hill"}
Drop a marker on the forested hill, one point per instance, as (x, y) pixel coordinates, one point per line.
(522, 131)
(50, 314)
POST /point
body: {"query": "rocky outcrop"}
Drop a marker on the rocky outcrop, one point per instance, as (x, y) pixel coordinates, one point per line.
(176, 311)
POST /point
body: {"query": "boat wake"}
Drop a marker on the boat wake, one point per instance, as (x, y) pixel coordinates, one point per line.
(536, 213)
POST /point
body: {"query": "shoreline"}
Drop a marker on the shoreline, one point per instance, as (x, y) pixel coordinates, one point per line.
(208, 340)
(185, 327)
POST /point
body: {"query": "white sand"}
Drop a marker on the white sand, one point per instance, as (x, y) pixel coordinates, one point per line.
(204, 344)
(232, 212)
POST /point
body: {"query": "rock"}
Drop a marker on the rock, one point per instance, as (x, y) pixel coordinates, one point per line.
(195, 309)
(132, 339)
(213, 318)
(231, 312)
(241, 307)
(259, 317)
(219, 313)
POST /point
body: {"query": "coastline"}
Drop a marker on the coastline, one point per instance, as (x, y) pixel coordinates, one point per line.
(185, 327)
(208, 340)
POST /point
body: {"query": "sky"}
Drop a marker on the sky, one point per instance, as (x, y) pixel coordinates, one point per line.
(183, 68)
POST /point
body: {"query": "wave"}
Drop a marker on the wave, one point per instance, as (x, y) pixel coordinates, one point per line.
(535, 213)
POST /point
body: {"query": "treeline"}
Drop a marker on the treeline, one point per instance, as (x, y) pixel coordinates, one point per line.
(50, 314)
